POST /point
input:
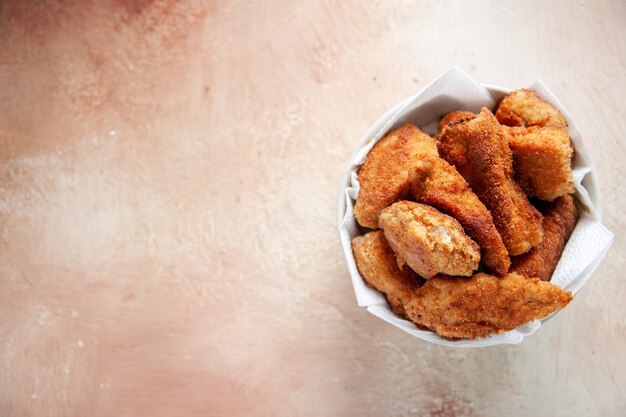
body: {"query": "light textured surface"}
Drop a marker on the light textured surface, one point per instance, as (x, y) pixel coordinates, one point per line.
(168, 178)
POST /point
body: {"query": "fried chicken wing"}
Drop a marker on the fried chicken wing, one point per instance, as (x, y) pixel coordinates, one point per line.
(453, 117)
(480, 148)
(438, 184)
(429, 241)
(383, 178)
(378, 267)
(558, 223)
(526, 108)
(483, 304)
(542, 160)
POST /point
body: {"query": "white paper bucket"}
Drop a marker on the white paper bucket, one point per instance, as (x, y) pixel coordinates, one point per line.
(456, 90)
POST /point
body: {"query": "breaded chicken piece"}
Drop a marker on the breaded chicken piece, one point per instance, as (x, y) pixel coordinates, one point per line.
(436, 183)
(558, 223)
(379, 268)
(488, 168)
(542, 160)
(430, 242)
(542, 157)
(453, 117)
(474, 307)
(384, 177)
(453, 147)
(526, 108)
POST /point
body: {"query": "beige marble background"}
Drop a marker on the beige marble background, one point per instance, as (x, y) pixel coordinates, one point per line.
(168, 179)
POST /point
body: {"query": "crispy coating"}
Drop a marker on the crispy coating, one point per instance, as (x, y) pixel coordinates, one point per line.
(483, 304)
(454, 147)
(526, 108)
(384, 177)
(558, 223)
(451, 118)
(542, 160)
(436, 183)
(379, 268)
(487, 166)
(429, 241)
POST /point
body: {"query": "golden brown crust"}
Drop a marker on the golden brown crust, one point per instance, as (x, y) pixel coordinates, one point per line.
(378, 267)
(438, 184)
(526, 108)
(488, 168)
(383, 178)
(430, 242)
(542, 158)
(558, 223)
(451, 118)
(483, 304)
(453, 147)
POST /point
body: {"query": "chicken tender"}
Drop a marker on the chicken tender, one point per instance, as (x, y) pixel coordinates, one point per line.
(526, 108)
(487, 165)
(378, 267)
(430, 242)
(453, 117)
(384, 177)
(483, 304)
(454, 147)
(558, 223)
(542, 161)
(438, 184)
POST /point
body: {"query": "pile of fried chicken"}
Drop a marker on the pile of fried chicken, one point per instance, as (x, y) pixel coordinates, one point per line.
(470, 224)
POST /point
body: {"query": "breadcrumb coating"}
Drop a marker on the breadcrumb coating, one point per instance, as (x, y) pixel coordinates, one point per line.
(558, 223)
(457, 307)
(429, 241)
(384, 176)
(378, 267)
(542, 161)
(487, 165)
(436, 183)
(451, 118)
(526, 108)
